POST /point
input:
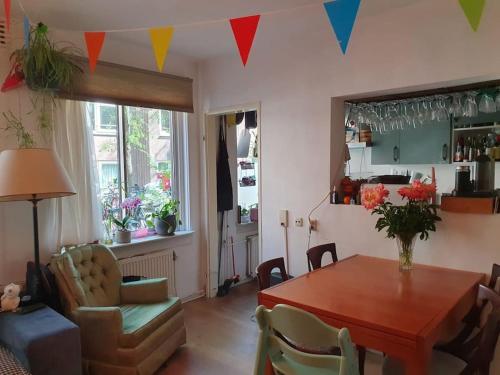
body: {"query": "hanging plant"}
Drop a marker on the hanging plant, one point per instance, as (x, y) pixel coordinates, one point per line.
(45, 66)
(15, 126)
(47, 69)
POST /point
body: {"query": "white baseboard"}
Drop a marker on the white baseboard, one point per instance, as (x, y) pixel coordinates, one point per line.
(194, 296)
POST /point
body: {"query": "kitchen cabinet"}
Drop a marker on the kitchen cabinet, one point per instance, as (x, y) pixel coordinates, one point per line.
(385, 147)
(425, 144)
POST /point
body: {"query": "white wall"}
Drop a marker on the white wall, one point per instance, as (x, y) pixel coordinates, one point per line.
(421, 44)
(16, 243)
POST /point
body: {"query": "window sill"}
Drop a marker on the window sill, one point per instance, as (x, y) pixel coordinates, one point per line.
(150, 239)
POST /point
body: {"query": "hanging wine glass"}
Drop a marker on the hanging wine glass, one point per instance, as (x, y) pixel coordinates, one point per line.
(486, 104)
(441, 113)
(471, 109)
(456, 109)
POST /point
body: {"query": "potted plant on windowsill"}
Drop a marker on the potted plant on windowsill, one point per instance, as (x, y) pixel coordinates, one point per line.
(165, 219)
(123, 234)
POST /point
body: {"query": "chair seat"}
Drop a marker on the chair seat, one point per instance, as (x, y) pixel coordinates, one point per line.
(441, 363)
(140, 321)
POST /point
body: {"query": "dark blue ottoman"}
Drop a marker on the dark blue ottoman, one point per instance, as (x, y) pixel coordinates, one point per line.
(45, 342)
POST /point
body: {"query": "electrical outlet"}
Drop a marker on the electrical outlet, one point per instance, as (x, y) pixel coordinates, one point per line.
(284, 218)
(299, 222)
(313, 224)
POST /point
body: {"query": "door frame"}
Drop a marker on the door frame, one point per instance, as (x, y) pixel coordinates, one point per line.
(212, 231)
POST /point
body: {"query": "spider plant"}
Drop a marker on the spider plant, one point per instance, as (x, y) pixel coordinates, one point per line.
(48, 68)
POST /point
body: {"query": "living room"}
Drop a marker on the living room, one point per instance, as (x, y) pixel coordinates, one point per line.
(136, 135)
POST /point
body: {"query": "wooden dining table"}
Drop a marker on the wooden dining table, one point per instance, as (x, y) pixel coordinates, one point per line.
(401, 314)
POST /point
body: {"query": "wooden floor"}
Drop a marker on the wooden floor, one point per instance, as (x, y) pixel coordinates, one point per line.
(222, 337)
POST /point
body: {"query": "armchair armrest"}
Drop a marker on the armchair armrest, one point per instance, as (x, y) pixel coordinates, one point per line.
(100, 329)
(144, 291)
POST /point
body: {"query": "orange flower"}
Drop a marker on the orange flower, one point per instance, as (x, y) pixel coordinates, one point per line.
(373, 197)
(418, 191)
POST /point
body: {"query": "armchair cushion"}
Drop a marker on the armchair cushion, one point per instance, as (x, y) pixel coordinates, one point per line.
(144, 291)
(140, 321)
(93, 276)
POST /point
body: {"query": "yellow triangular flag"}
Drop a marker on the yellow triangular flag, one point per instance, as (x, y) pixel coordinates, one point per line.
(160, 40)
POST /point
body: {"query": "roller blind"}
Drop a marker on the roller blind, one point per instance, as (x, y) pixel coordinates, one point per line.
(123, 85)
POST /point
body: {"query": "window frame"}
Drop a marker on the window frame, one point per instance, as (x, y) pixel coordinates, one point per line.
(179, 162)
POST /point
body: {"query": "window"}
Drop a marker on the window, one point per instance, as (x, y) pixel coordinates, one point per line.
(140, 153)
(165, 122)
(104, 117)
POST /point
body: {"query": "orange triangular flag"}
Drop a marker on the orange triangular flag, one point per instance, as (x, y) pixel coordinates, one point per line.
(244, 30)
(6, 7)
(94, 41)
(160, 40)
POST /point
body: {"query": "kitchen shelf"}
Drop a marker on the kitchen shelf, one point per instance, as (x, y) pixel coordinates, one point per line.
(475, 128)
(354, 145)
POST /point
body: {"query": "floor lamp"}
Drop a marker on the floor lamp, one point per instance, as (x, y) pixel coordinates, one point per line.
(32, 175)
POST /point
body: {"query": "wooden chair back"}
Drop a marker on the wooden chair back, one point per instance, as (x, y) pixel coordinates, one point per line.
(315, 254)
(495, 275)
(265, 269)
(307, 331)
(478, 349)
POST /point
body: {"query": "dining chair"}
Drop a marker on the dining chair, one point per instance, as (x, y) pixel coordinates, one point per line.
(315, 255)
(467, 354)
(494, 279)
(264, 272)
(306, 331)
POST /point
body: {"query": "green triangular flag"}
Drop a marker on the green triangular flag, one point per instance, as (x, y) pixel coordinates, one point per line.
(473, 10)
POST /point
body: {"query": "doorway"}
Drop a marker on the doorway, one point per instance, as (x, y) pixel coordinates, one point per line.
(234, 243)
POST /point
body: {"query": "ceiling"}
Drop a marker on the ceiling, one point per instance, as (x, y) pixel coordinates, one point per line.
(196, 36)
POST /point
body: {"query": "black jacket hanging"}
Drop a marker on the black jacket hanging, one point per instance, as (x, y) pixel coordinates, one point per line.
(224, 183)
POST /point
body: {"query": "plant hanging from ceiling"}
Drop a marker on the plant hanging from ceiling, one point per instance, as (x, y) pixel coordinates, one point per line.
(47, 69)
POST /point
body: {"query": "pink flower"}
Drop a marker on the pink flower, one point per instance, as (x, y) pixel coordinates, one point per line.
(131, 203)
(373, 197)
(418, 191)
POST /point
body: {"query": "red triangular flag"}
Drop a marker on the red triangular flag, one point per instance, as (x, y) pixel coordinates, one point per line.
(244, 30)
(94, 41)
(6, 6)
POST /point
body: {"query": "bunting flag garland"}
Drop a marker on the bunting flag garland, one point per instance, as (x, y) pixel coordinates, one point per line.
(6, 7)
(473, 10)
(342, 15)
(244, 30)
(94, 41)
(26, 29)
(160, 40)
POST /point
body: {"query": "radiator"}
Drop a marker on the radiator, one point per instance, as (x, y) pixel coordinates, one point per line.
(252, 254)
(153, 265)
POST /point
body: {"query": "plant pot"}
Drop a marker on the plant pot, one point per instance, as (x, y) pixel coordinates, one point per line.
(123, 236)
(406, 244)
(166, 227)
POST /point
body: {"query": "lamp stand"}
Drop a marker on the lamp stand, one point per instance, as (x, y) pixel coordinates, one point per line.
(34, 287)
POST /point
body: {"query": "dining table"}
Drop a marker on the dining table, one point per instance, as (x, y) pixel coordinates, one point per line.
(402, 314)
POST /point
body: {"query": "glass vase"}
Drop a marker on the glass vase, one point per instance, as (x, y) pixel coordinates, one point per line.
(406, 244)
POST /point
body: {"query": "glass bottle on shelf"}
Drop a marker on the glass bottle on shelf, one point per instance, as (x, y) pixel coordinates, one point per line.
(459, 154)
(467, 145)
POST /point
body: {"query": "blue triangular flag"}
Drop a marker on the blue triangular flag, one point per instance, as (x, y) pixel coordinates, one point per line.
(342, 14)
(26, 28)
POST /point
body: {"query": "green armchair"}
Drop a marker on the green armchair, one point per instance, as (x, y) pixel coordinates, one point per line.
(126, 328)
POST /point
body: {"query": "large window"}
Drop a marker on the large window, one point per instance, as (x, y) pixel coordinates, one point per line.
(140, 153)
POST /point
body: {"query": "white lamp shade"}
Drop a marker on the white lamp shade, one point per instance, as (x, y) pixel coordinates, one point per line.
(32, 173)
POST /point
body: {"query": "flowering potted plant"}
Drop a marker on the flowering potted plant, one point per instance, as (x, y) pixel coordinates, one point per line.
(130, 205)
(416, 217)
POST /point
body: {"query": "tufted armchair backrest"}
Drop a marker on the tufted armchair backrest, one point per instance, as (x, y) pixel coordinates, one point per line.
(92, 275)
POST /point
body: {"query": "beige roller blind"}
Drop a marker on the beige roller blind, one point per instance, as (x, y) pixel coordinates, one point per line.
(119, 84)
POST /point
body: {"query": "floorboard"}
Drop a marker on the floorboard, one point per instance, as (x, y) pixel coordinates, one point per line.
(222, 337)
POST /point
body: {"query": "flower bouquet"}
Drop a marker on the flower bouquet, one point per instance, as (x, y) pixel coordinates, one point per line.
(417, 217)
